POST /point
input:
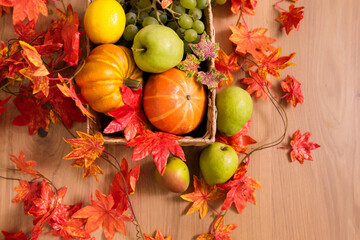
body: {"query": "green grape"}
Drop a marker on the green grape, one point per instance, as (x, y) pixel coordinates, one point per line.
(180, 32)
(198, 26)
(130, 32)
(153, 14)
(189, 4)
(149, 20)
(185, 21)
(163, 18)
(220, 2)
(178, 8)
(142, 15)
(130, 18)
(202, 4)
(187, 48)
(142, 4)
(195, 13)
(122, 2)
(133, 3)
(190, 35)
(172, 25)
(197, 40)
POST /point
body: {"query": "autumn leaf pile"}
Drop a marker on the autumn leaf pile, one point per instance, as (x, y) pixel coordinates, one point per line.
(32, 72)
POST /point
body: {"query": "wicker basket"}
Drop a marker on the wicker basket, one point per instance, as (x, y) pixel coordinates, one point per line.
(199, 137)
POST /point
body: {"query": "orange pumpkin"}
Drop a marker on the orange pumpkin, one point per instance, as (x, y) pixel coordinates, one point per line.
(174, 103)
(102, 77)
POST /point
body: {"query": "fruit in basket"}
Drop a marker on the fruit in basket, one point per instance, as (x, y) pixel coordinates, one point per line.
(234, 106)
(157, 48)
(102, 76)
(176, 177)
(218, 162)
(104, 21)
(174, 103)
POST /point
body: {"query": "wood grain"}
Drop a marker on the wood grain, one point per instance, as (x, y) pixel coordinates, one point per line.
(316, 200)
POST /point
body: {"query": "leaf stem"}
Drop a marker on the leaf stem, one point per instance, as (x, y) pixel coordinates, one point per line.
(135, 220)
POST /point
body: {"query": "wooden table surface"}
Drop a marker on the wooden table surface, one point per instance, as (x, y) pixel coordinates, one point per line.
(317, 200)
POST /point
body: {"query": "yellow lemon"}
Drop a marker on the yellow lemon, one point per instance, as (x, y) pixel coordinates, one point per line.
(104, 21)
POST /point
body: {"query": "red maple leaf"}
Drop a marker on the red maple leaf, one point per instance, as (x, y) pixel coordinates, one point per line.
(219, 231)
(117, 189)
(158, 236)
(86, 147)
(26, 32)
(248, 6)
(23, 165)
(165, 3)
(158, 144)
(239, 141)
(72, 229)
(62, 108)
(251, 42)
(301, 147)
(2, 103)
(69, 91)
(33, 112)
(292, 88)
(101, 213)
(200, 197)
(291, 19)
(226, 64)
(26, 192)
(91, 169)
(241, 190)
(26, 9)
(256, 85)
(71, 36)
(272, 64)
(129, 116)
(14, 236)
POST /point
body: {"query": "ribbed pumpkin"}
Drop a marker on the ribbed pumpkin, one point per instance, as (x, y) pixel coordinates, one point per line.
(102, 77)
(174, 103)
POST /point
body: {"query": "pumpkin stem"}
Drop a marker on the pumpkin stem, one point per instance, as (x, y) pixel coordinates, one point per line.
(133, 84)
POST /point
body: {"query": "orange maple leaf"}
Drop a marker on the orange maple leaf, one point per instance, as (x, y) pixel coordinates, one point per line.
(301, 147)
(92, 169)
(36, 71)
(70, 92)
(226, 64)
(219, 231)
(241, 189)
(256, 85)
(251, 42)
(23, 165)
(248, 6)
(26, 9)
(165, 3)
(86, 147)
(101, 213)
(158, 236)
(238, 141)
(293, 91)
(272, 64)
(291, 19)
(14, 236)
(200, 197)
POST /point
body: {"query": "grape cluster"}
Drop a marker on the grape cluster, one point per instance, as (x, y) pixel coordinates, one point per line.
(185, 17)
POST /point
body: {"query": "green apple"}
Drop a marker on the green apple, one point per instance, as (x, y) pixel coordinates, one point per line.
(157, 48)
(234, 106)
(176, 177)
(218, 162)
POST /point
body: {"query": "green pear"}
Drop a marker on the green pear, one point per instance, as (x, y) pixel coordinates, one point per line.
(218, 162)
(234, 106)
(176, 177)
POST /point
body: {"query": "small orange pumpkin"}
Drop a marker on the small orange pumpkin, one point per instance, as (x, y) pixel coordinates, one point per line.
(174, 103)
(103, 74)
